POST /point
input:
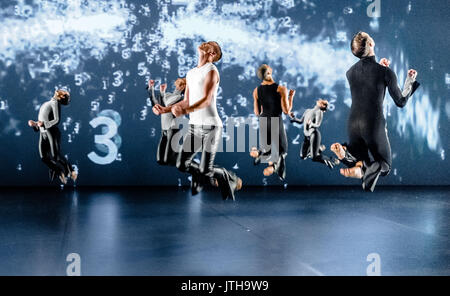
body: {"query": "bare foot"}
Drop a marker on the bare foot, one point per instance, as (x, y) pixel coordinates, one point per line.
(339, 150)
(74, 176)
(254, 152)
(239, 184)
(354, 172)
(269, 169)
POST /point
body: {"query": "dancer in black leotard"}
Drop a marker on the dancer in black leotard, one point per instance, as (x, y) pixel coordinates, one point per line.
(50, 137)
(165, 154)
(366, 124)
(270, 100)
(312, 147)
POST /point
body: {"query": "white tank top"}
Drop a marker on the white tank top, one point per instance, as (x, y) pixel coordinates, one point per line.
(195, 80)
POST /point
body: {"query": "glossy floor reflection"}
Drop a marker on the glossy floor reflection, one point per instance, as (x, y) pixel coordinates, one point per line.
(268, 231)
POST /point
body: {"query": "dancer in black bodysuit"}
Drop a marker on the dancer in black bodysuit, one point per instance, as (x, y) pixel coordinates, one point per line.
(366, 124)
(50, 137)
(165, 154)
(270, 100)
(312, 147)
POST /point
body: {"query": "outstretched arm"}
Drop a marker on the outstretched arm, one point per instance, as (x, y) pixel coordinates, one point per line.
(295, 119)
(401, 97)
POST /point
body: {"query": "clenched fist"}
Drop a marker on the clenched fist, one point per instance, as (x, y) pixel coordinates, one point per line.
(291, 92)
(177, 111)
(412, 74)
(385, 62)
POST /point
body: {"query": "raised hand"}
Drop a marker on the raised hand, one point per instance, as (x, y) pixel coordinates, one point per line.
(412, 73)
(385, 62)
(151, 83)
(291, 93)
(163, 87)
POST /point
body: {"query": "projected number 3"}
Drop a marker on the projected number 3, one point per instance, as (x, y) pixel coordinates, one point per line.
(104, 139)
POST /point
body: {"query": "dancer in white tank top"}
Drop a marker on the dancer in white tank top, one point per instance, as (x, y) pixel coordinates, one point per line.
(196, 80)
(205, 125)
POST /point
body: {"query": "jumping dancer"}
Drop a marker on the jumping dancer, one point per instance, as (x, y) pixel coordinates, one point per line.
(165, 155)
(366, 124)
(270, 100)
(50, 136)
(205, 125)
(312, 147)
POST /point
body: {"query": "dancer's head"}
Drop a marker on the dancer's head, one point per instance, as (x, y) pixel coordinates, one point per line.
(322, 104)
(62, 96)
(362, 45)
(210, 50)
(264, 73)
(180, 84)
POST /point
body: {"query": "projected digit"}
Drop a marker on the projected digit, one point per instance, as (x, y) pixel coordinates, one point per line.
(104, 139)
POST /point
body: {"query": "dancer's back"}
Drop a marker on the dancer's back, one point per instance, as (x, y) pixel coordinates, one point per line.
(270, 100)
(367, 81)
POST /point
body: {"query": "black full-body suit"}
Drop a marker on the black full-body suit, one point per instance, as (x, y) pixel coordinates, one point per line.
(366, 124)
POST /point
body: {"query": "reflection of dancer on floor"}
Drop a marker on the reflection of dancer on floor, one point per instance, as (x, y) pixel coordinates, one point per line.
(312, 147)
(270, 100)
(205, 125)
(50, 137)
(165, 155)
(366, 124)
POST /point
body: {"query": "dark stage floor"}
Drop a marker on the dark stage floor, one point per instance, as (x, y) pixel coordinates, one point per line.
(268, 231)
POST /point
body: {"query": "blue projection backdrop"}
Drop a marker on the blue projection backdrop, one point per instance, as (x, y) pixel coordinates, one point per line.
(105, 51)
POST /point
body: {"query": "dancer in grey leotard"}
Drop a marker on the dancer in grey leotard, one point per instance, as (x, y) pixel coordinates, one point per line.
(50, 137)
(165, 154)
(311, 120)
